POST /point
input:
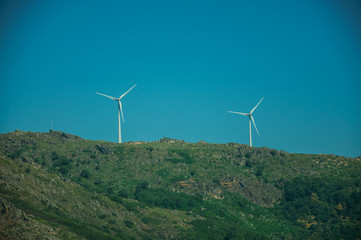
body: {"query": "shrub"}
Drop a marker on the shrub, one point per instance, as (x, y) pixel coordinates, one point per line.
(131, 206)
(110, 190)
(165, 199)
(123, 193)
(142, 186)
(150, 220)
(63, 170)
(184, 158)
(248, 163)
(273, 152)
(128, 224)
(259, 171)
(111, 221)
(85, 174)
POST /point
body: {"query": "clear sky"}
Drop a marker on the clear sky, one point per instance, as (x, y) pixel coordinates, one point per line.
(193, 61)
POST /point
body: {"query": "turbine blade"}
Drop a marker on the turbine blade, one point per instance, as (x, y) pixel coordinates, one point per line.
(127, 92)
(107, 96)
(254, 125)
(244, 114)
(121, 109)
(256, 106)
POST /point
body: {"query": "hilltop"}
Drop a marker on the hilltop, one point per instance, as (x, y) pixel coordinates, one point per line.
(59, 186)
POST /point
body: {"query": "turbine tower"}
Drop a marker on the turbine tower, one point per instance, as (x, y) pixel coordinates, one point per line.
(250, 117)
(120, 110)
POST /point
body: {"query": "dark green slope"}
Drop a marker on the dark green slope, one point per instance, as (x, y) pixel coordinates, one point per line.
(68, 188)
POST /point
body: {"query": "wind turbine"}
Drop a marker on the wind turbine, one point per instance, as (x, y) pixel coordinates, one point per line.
(120, 109)
(250, 117)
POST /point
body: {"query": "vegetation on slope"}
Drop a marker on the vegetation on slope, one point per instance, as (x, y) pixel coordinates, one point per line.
(171, 189)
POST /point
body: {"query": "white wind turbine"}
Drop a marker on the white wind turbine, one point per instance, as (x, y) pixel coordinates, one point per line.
(120, 109)
(250, 119)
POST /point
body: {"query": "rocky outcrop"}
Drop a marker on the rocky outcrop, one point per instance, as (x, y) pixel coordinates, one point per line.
(170, 140)
(103, 149)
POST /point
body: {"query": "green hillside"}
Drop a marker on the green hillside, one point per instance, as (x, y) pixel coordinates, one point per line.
(59, 186)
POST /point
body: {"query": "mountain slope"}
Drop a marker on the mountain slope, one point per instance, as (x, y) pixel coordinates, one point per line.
(67, 188)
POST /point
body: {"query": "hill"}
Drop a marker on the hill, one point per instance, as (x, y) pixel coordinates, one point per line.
(59, 186)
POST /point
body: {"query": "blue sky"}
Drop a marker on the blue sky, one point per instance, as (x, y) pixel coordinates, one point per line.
(193, 61)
